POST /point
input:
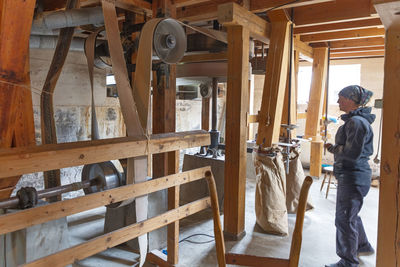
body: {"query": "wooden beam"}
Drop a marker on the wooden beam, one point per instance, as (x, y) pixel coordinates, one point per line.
(358, 49)
(249, 260)
(343, 35)
(17, 161)
(16, 112)
(339, 10)
(388, 250)
(314, 108)
(315, 103)
(199, 12)
(205, 113)
(353, 43)
(270, 114)
(306, 51)
(340, 26)
(15, 221)
(131, 5)
(222, 56)
(234, 14)
(236, 131)
(114, 238)
(358, 54)
(182, 3)
(258, 6)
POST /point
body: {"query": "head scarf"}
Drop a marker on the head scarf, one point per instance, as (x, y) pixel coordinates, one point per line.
(358, 94)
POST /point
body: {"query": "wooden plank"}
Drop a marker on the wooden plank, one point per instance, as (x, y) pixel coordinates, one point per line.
(306, 51)
(358, 49)
(234, 14)
(131, 5)
(19, 161)
(112, 239)
(339, 10)
(158, 258)
(270, 114)
(252, 118)
(236, 130)
(249, 260)
(29, 217)
(205, 113)
(353, 43)
(258, 6)
(317, 147)
(388, 249)
(343, 35)
(380, 53)
(298, 228)
(222, 56)
(198, 12)
(315, 103)
(340, 26)
(219, 237)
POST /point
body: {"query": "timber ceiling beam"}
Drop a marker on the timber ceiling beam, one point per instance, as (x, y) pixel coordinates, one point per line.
(306, 51)
(358, 49)
(257, 6)
(353, 43)
(343, 35)
(131, 5)
(362, 54)
(340, 26)
(337, 11)
(233, 14)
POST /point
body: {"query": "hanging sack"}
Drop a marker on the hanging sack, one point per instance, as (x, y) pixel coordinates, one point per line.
(270, 196)
(294, 181)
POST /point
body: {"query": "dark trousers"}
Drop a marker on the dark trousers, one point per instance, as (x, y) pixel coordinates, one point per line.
(350, 234)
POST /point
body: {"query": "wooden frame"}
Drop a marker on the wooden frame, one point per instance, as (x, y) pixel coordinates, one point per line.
(11, 222)
(294, 256)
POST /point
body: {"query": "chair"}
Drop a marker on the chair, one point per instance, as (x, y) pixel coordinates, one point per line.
(293, 261)
(328, 170)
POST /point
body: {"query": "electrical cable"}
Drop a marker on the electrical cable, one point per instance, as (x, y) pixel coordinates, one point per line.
(196, 242)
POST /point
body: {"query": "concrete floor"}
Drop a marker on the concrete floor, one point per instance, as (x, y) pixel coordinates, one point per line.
(318, 246)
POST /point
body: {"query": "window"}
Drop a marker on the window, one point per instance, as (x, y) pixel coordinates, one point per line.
(340, 76)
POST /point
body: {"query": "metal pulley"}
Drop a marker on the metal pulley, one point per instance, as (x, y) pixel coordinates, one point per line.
(105, 175)
(205, 90)
(169, 41)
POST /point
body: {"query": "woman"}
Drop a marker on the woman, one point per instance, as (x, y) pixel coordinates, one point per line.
(352, 149)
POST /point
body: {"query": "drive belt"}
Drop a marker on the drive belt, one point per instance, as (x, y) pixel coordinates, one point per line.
(49, 136)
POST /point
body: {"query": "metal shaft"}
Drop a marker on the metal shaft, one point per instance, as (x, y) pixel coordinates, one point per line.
(214, 104)
(46, 193)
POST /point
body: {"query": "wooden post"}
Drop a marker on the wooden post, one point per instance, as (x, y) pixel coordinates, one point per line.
(292, 102)
(16, 112)
(314, 109)
(205, 113)
(270, 115)
(388, 251)
(236, 131)
(164, 121)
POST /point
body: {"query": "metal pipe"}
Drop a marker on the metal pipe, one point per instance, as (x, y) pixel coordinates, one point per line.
(214, 104)
(72, 18)
(49, 42)
(46, 193)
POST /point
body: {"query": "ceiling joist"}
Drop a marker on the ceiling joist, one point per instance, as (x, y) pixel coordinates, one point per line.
(340, 26)
(363, 42)
(343, 35)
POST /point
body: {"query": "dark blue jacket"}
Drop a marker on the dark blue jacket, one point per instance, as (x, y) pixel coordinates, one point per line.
(353, 147)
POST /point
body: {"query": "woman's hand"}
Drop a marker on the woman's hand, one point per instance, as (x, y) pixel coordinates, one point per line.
(328, 145)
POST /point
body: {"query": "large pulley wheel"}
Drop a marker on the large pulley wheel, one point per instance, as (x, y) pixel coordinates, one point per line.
(103, 176)
(169, 41)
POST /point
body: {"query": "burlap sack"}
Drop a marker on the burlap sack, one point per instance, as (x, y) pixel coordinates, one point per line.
(294, 181)
(270, 200)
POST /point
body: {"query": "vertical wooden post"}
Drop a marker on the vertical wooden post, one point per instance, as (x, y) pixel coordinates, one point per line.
(388, 251)
(16, 112)
(270, 115)
(290, 100)
(314, 109)
(164, 121)
(205, 113)
(236, 131)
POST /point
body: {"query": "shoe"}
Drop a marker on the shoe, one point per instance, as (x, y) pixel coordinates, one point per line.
(366, 250)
